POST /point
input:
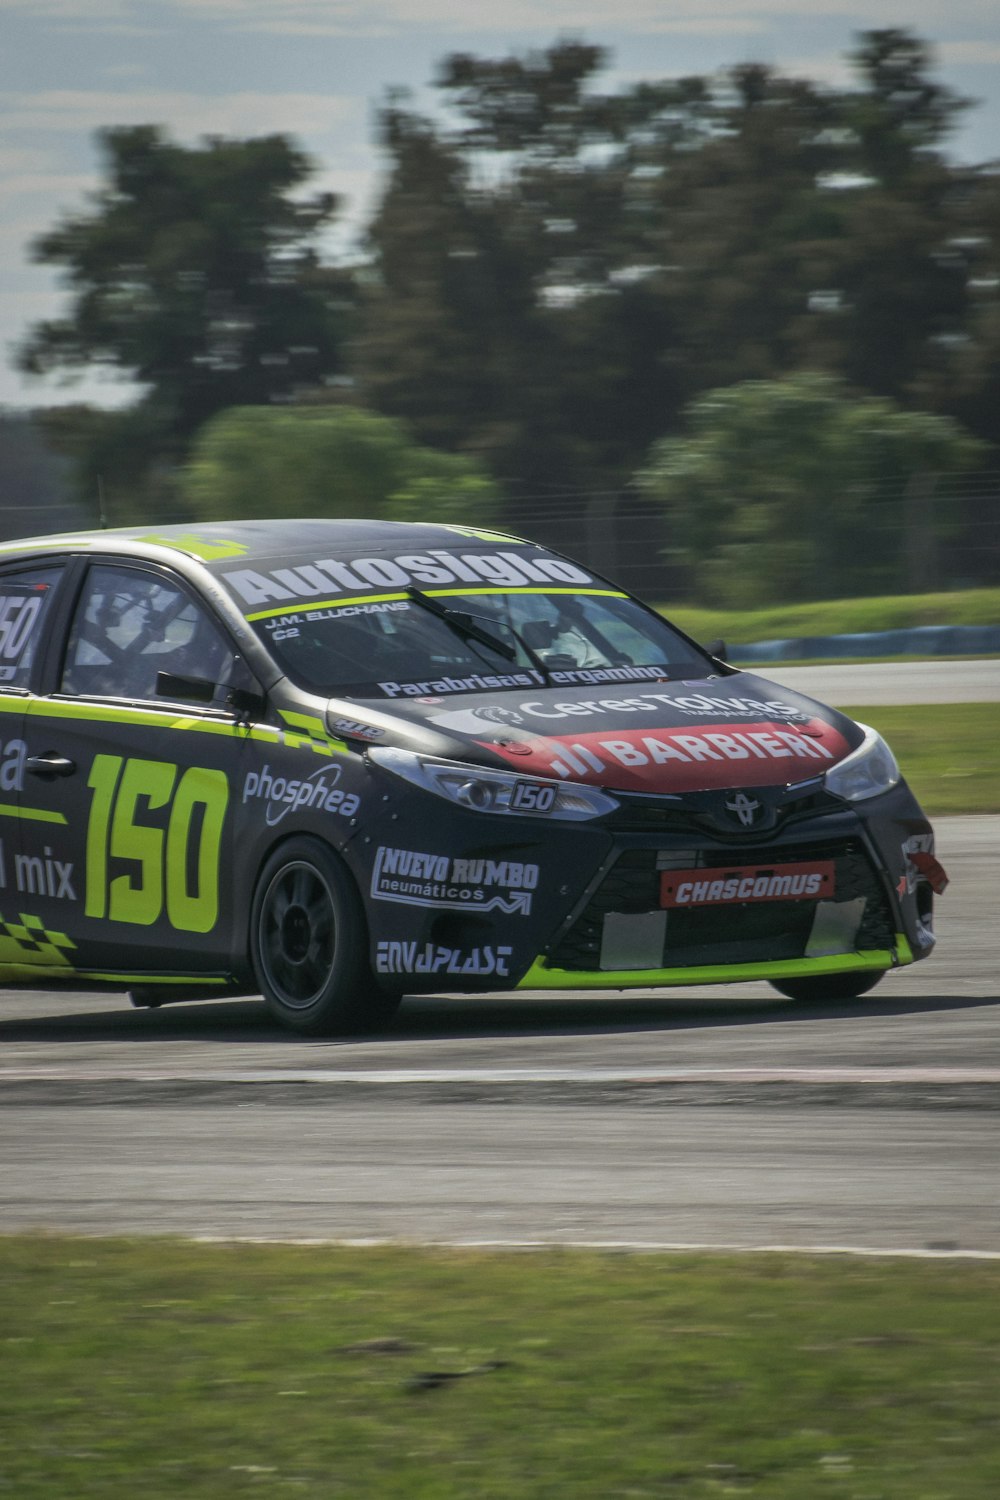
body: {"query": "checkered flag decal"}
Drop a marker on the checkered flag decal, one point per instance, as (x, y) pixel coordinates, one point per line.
(30, 942)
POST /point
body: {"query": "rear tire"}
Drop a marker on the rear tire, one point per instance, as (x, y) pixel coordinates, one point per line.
(828, 986)
(309, 944)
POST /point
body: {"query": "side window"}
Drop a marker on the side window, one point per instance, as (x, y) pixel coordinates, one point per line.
(130, 625)
(24, 603)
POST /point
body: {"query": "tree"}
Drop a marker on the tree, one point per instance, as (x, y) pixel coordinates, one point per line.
(901, 116)
(194, 274)
(559, 270)
(33, 482)
(121, 469)
(796, 489)
(974, 394)
(897, 283)
(509, 315)
(737, 223)
(329, 461)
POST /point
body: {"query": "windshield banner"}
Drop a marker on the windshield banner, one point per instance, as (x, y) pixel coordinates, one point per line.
(329, 576)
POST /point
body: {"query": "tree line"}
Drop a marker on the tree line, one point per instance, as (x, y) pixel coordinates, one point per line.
(764, 310)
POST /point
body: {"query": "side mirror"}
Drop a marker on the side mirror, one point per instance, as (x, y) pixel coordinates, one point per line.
(246, 703)
(194, 689)
(717, 649)
(246, 700)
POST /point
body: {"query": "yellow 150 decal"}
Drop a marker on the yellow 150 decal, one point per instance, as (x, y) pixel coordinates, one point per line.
(197, 808)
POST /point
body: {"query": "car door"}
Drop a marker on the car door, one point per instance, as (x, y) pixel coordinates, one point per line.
(138, 780)
(27, 595)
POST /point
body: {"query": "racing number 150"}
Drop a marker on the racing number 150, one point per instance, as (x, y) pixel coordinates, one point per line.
(197, 808)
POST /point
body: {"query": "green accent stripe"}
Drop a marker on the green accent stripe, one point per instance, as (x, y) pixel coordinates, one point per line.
(99, 713)
(541, 589)
(47, 544)
(298, 609)
(12, 972)
(32, 814)
(484, 536)
(113, 977)
(541, 977)
(196, 546)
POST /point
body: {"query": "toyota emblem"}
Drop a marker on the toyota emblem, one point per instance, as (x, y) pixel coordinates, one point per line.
(745, 808)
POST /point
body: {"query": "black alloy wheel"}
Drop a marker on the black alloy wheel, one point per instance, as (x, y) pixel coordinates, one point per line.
(847, 986)
(309, 944)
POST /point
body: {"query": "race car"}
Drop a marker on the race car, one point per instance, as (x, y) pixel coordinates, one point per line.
(336, 762)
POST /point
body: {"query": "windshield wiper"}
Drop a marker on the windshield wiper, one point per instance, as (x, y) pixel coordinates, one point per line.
(463, 623)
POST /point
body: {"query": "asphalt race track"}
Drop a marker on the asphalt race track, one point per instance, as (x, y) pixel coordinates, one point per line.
(724, 1116)
(881, 683)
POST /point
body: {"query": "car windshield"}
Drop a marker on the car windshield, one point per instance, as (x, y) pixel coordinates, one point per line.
(480, 641)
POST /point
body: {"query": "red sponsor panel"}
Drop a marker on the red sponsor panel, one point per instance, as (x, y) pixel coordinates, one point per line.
(931, 870)
(795, 882)
(685, 759)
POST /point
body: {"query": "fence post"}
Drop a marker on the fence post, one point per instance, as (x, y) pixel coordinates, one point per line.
(919, 536)
(601, 534)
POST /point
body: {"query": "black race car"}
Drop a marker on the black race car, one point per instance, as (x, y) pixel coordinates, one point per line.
(340, 761)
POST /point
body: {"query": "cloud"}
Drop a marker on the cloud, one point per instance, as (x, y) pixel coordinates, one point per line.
(545, 17)
(552, 16)
(48, 185)
(125, 70)
(831, 69)
(188, 115)
(15, 159)
(30, 305)
(70, 9)
(980, 54)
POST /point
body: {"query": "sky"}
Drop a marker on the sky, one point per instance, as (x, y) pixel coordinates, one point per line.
(318, 70)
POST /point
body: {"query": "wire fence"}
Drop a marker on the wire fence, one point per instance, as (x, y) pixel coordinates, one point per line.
(943, 532)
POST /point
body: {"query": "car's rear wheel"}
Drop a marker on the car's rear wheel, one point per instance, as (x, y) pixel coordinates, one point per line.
(309, 944)
(829, 986)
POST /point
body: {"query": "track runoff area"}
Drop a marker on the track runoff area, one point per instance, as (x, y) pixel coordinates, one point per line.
(391, 1071)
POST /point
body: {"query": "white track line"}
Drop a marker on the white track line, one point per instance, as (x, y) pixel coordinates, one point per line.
(629, 1247)
(403, 1076)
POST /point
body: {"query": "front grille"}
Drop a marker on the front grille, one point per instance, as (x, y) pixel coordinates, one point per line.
(704, 813)
(744, 932)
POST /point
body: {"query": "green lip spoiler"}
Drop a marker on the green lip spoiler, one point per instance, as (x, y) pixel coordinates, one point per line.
(541, 977)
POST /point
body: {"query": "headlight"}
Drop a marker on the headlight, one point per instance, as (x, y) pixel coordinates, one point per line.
(868, 770)
(486, 791)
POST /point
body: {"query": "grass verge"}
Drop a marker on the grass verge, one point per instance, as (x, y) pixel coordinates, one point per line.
(166, 1368)
(949, 752)
(838, 616)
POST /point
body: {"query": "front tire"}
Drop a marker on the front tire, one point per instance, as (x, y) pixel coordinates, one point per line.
(309, 944)
(847, 986)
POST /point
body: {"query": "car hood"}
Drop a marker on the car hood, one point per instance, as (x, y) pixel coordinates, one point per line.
(663, 737)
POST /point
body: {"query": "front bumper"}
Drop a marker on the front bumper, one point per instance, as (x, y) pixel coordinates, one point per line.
(875, 914)
(596, 918)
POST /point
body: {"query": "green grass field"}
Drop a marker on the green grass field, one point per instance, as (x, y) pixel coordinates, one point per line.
(169, 1369)
(949, 752)
(162, 1369)
(838, 616)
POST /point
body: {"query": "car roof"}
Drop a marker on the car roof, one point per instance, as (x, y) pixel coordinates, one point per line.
(220, 543)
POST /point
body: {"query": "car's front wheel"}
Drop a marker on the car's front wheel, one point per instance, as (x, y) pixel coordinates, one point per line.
(828, 986)
(309, 941)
